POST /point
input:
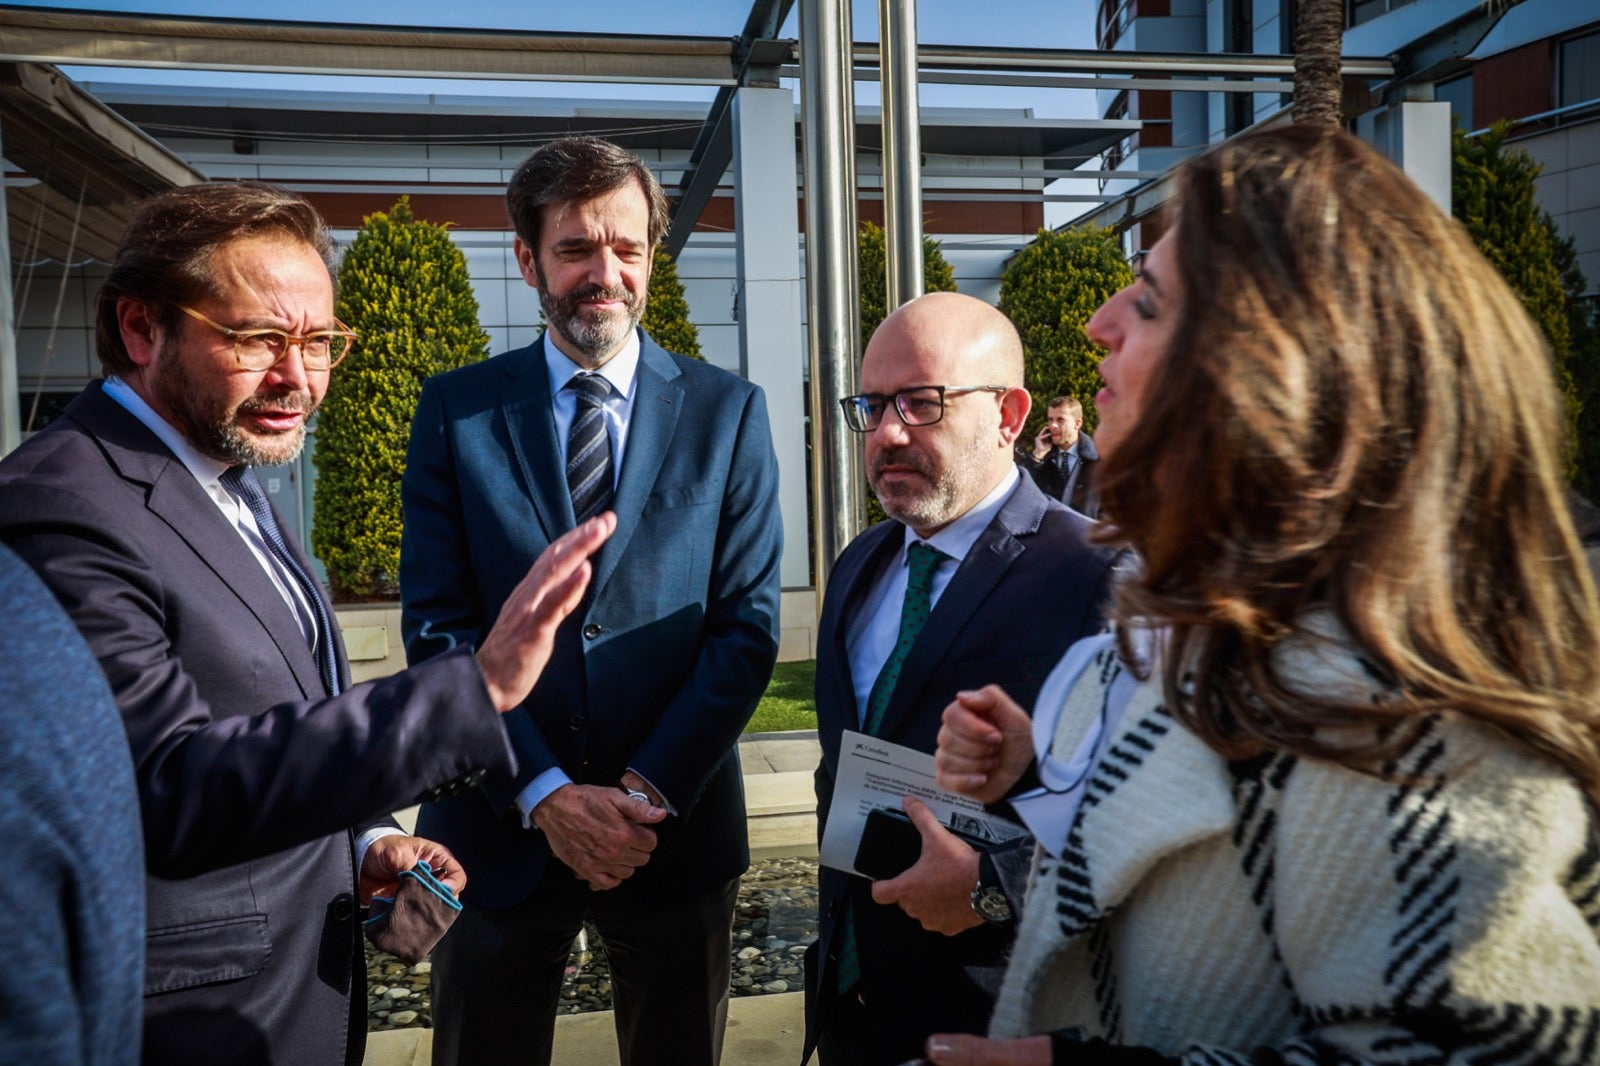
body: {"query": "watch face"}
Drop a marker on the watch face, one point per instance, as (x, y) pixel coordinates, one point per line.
(991, 905)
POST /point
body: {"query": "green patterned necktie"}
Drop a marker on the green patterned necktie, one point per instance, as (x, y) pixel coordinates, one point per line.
(924, 561)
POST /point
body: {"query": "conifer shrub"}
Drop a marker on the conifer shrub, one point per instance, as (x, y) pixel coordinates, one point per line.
(666, 311)
(1049, 290)
(404, 289)
(1493, 195)
(872, 269)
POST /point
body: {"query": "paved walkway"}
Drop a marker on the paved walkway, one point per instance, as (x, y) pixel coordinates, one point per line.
(762, 1030)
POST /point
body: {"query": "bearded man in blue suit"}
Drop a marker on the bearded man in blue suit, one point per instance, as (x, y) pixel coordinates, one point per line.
(628, 806)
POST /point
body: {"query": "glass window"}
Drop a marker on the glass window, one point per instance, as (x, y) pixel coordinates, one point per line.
(1580, 70)
(1457, 92)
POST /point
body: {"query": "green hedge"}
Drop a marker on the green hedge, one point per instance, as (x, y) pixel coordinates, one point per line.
(666, 312)
(872, 271)
(404, 289)
(1493, 195)
(1049, 291)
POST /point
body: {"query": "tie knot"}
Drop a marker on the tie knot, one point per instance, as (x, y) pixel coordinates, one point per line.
(924, 560)
(591, 389)
(242, 481)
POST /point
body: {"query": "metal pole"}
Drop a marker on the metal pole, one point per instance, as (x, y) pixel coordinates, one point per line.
(10, 397)
(902, 150)
(827, 117)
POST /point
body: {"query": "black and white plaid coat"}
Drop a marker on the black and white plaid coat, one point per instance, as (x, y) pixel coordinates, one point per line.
(1290, 910)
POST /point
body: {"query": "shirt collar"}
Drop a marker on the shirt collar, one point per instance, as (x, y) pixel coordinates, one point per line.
(621, 370)
(205, 469)
(957, 538)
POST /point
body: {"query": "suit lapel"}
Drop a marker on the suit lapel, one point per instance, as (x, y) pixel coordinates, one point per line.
(853, 579)
(178, 500)
(531, 428)
(657, 405)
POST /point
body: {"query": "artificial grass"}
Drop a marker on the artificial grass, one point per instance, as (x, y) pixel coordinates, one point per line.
(789, 703)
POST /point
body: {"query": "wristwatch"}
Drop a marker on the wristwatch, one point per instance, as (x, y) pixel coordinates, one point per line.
(989, 899)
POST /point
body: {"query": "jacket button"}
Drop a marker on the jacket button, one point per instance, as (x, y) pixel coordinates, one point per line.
(591, 631)
(343, 908)
(474, 779)
(575, 723)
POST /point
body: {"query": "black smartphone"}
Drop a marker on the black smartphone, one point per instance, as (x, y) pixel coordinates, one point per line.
(890, 843)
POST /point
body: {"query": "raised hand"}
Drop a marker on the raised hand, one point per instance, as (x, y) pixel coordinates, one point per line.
(985, 744)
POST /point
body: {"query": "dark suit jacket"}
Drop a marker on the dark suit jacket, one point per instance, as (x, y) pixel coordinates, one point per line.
(249, 777)
(72, 907)
(1030, 586)
(1047, 475)
(661, 666)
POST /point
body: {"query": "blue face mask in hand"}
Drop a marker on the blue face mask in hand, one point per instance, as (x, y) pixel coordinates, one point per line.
(409, 925)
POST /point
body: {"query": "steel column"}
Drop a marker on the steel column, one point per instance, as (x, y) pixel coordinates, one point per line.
(902, 150)
(827, 118)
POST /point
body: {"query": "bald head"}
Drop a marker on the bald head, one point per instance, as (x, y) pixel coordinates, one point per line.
(929, 475)
(978, 341)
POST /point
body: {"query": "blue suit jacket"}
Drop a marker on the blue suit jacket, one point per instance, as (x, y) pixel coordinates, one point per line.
(1031, 585)
(72, 911)
(662, 664)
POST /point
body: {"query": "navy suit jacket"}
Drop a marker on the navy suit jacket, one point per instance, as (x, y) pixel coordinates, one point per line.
(661, 666)
(250, 778)
(1031, 585)
(1047, 475)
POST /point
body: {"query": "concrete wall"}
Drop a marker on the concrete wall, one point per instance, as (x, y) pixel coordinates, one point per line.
(1569, 188)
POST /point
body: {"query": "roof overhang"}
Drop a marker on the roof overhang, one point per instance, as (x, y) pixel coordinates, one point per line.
(83, 167)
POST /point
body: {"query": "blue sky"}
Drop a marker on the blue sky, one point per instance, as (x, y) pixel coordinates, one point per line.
(996, 23)
(1034, 23)
(1026, 23)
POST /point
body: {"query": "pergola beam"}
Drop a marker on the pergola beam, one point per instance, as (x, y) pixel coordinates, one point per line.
(757, 57)
(103, 39)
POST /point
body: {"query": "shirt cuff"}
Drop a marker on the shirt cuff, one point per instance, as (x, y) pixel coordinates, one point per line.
(367, 838)
(537, 790)
(666, 804)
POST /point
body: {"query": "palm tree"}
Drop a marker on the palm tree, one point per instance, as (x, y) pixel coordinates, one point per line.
(1318, 45)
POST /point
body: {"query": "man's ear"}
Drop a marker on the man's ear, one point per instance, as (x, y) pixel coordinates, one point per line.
(141, 334)
(1014, 408)
(525, 262)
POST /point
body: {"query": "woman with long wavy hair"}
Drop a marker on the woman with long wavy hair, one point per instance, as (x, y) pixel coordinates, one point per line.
(1329, 794)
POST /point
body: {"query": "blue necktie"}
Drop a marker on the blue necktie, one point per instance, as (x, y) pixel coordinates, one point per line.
(589, 476)
(242, 482)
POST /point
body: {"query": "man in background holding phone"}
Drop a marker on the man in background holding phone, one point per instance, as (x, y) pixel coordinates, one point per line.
(1063, 457)
(979, 579)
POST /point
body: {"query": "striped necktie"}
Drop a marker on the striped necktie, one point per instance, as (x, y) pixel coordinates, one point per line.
(243, 483)
(589, 476)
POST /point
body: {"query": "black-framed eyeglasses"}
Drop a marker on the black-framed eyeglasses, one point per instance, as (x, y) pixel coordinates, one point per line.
(919, 406)
(263, 349)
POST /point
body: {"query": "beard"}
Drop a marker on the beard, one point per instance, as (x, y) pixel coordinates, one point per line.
(214, 427)
(944, 494)
(594, 334)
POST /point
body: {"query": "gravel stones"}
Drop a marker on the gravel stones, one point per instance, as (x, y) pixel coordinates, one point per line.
(773, 922)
